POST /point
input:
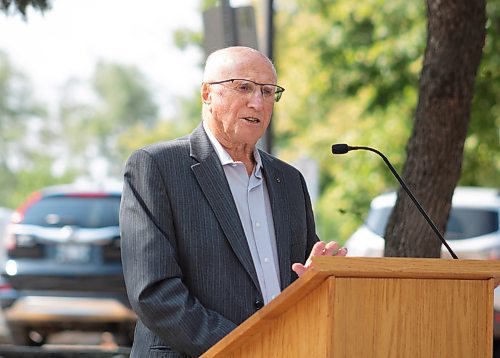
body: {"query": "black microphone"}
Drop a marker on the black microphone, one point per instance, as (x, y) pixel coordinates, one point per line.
(344, 148)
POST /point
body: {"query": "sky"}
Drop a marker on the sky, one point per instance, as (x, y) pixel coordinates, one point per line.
(68, 40)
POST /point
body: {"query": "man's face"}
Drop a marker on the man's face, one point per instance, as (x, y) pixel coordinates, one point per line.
(240, 116)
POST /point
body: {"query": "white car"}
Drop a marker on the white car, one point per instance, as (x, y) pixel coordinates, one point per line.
(472, 231)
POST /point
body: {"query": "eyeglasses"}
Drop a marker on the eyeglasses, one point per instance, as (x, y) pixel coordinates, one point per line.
(247, 87)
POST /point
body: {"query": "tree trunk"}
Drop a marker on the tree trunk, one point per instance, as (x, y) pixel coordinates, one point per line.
(455, 39)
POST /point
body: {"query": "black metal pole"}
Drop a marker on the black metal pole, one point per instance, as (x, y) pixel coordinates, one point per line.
(268, 48)
(230, 35)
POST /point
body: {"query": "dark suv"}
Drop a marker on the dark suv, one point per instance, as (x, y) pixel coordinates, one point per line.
(62, 265)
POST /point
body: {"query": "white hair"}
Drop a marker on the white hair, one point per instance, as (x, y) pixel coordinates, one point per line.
(225, 57)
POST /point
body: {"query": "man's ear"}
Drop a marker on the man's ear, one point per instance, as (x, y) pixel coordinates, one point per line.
(205, 93)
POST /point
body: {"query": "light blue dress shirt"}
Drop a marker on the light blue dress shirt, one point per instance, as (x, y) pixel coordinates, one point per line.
(252, 201)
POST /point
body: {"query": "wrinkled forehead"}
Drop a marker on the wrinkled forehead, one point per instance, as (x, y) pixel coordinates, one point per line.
(239, 63)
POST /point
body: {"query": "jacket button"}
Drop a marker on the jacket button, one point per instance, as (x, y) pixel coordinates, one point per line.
(259, 304)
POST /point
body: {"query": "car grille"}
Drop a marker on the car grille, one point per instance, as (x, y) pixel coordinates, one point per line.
(32, 252)
(111, 252)
(104, 284)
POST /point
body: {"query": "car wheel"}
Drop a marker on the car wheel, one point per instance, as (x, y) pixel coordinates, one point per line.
(23, 336)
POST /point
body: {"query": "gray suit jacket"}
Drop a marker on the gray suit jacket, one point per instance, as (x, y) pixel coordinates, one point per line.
(187, 266)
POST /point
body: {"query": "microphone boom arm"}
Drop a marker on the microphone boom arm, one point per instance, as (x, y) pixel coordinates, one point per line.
(345, 149)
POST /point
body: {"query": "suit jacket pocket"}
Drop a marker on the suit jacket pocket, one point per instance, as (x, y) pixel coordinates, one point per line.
(164, 352)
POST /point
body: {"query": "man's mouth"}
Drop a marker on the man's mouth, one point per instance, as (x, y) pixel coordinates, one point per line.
(251, 119)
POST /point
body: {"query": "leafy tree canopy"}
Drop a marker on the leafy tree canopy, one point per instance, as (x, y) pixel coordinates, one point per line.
(21, 6)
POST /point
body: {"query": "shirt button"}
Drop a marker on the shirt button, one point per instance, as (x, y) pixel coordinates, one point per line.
(257, 224)
(266, 260)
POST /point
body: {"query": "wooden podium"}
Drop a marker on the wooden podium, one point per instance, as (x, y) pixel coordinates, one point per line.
(375, 307)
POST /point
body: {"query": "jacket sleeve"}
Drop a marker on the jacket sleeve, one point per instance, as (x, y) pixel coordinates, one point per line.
(152, 273)
(312, 238)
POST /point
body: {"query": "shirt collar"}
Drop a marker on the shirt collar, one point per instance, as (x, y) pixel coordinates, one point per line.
(224, 156)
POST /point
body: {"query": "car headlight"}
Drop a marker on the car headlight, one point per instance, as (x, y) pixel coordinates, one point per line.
(11, 268)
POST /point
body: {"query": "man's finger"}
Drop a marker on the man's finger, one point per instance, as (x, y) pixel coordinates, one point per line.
(318, 249)
(331, 248)
(299, 269)
(342, 252)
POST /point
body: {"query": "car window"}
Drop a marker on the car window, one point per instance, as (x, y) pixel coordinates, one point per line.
(377, 220)
(84, 211)
(463, 223)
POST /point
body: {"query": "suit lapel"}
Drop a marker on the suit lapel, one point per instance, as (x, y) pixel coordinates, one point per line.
(276, 186)
(212, 180)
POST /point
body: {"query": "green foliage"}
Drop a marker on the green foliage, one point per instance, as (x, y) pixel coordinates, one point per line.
(125, 100)
(34, 177)
(18, 157)
(482, 147)
(351, 73)
(125, 96)
(183, 38)
(13, 6)
(188, 117)
(86, 127)
(16, 107)
(92, 127)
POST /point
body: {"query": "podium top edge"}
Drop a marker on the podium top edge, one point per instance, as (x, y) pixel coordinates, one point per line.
(402, 267)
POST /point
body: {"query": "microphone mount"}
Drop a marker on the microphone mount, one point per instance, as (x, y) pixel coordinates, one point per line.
(344, 148)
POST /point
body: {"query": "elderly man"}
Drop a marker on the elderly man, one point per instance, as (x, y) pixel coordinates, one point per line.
(213, 228)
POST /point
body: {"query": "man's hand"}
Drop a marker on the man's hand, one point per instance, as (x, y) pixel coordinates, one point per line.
(320, 249)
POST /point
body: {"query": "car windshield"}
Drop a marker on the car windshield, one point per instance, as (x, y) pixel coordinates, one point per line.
(82, 211)
(464, 223)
